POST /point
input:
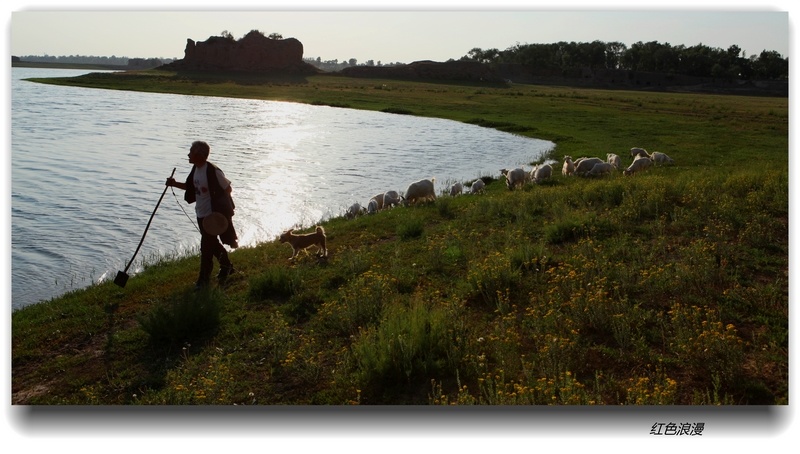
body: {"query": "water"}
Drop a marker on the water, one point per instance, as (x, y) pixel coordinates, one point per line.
(88, 167)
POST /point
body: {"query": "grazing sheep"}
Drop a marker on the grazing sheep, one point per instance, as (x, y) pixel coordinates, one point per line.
(600, 169)
(541, 173)
(355, 210)
(456, 189)
(514, 178)
(420, 191)
(661, 158)
(391, 199)
(637, 151)
(639, 164)
(477, 187)
(614, 160)
(569, 167)
(584, 165)
(378, 200)
(372, 206)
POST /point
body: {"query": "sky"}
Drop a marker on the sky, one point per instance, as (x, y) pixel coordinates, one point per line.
(429, 30)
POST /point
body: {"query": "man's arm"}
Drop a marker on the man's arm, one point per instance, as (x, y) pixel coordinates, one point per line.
(175, 184)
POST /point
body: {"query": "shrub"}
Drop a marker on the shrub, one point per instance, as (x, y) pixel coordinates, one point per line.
(409, 346)
(359, 304)
(410, 228)
(491, 278)
(191, 316)
(565, 231)
(445, 207)
(276, 281)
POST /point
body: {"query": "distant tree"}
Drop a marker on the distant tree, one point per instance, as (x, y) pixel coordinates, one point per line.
(592, 54)
(275, 36)
(483, 56)
(226, 34)
(613, 54)
(770, 65)
(697, 61)
(254, 31)
(142, 63)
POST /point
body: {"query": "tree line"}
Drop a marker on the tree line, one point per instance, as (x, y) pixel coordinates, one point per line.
(336, 65)
(698, 60)
(136, 63)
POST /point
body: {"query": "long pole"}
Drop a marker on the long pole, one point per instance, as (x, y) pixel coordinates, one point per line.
(148, 223)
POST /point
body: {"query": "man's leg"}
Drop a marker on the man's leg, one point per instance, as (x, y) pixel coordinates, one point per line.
(207, 252)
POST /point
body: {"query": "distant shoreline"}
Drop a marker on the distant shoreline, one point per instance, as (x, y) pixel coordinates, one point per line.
(31, 64)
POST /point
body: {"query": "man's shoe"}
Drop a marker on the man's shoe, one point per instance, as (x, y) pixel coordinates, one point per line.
(224, 272)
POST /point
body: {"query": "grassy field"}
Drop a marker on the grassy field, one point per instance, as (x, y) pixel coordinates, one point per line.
(668, 287)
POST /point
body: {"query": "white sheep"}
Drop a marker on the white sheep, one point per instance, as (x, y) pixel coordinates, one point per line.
(569, 167)
(391, 199)
(515, 178)
(372, 206)
(614, 160)
(456, 189)
(661, 158)
(638, 164)
(378, 198)
(584, 165)
(419, 191)
(638, 151)
(600, 169)
(478, 186)
(355, 210)
(541, 173)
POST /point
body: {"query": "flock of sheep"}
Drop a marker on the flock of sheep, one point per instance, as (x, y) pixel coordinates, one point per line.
(587, 167)
(595, 167)
(418, 192)
(423, 190)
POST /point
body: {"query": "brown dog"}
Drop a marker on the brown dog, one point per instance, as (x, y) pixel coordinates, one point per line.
(301, 242)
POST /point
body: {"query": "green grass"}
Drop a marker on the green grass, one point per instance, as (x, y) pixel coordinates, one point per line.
(667, 287)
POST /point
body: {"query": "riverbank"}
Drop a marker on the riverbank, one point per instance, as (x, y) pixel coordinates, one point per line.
(668, 287)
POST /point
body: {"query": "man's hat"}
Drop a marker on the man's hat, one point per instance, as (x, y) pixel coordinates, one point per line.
(215, 224)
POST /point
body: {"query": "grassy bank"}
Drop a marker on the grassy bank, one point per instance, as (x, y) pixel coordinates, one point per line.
(668, 287)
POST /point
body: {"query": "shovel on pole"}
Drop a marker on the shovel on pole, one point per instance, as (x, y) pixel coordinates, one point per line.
(122, 276)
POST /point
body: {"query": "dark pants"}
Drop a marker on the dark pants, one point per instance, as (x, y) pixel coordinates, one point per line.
(210, 247)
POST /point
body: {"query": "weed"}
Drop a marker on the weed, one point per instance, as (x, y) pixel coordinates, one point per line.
(274, 282)
(411, 228)
(183, 318)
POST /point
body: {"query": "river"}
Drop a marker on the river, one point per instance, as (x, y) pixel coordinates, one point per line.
(88, 167)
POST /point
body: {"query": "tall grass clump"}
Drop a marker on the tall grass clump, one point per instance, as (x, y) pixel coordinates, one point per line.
(491, 278)
(275, 281)
(411, 344)
(183, 318)
(444, 205)
(709, 347)
(358, 304)
(410, 228)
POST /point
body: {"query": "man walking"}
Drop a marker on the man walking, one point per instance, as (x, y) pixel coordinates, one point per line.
(210, 191)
